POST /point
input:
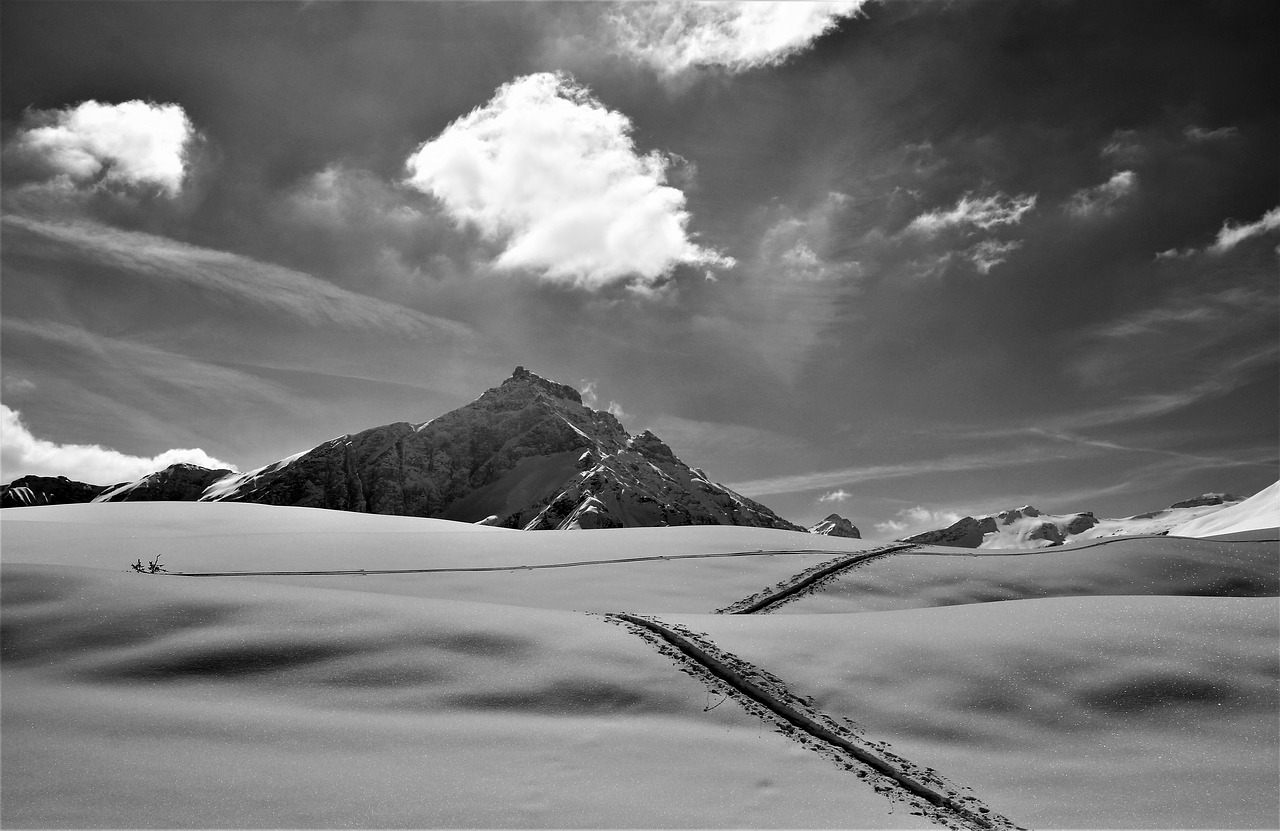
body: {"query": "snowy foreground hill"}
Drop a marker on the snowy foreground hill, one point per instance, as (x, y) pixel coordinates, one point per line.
(295, 667)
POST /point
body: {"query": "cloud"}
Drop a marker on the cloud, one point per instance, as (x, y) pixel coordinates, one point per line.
(835, 496)
(1232, 234)
(553, 174)
(673, 37)
(1101, 199)
(129, 144)
(1124, 147)
(23, 454)
(1201, 134)
(796, 483)
(589, 397)
(797, 245)
(985, 213)
(917, 519)
(273, 288)
(989, 253)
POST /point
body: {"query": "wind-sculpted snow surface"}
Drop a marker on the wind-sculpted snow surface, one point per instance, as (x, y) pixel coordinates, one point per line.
(375, 671)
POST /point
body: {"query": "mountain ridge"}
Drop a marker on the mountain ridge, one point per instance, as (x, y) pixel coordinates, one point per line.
(524, 454)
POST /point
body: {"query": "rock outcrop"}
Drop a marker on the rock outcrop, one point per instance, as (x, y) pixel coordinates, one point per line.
(836, 526)
(47, 490)
(967, 532)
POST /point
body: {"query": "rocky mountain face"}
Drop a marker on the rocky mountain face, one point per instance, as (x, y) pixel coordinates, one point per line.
(836, 526)
(47, 490)
(526, 454)
(176, 483)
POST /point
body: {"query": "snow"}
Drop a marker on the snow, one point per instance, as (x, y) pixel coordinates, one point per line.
(228, 485)
(1108, 696)
(1258, 512)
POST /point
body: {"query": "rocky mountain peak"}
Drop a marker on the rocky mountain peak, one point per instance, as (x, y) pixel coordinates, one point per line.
(525, 454)
(524, 381)
(836, 526)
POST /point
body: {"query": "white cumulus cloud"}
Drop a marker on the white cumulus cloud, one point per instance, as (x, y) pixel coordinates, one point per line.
(22, 454)
(982, 212)
(839, 495)
(131, 143)
(675, 36)
(553, 174)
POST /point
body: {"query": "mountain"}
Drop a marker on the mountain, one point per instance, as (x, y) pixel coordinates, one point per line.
(526, 454)
(176, 483)
(1028, 528)
(836, 526)
(47, 490)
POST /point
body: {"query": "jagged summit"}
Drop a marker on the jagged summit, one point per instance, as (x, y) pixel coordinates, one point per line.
(522, 379)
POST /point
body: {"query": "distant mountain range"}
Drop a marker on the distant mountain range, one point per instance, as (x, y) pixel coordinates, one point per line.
(527, 454)
(1027, 527)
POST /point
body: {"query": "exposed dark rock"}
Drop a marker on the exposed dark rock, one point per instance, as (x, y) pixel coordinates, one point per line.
(966, 532)
(47, 490)
(1047, 531)
(1206, 499)
(1081, 522)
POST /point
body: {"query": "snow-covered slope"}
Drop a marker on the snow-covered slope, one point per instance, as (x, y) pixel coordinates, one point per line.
(1260, 511)
(444, 674)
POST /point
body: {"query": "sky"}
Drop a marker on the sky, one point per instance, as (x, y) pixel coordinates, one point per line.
(902, 261)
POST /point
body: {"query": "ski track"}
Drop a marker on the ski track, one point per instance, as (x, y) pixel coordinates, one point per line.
(937, 801)
(572, 564)
(806, 581)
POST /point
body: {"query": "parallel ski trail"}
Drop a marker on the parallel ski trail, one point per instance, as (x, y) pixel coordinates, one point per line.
(769, 599)
(735, 672)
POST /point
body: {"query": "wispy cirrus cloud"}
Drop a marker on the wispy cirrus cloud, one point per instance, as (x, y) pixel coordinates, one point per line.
(823, 479)
(1230, 235)
(553, 175)
(673, 37)
(230, 276)
(1199, 134)
(133, 143)
(981, 212)
(1234, 233)
(23, 454)
(1102, 199)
